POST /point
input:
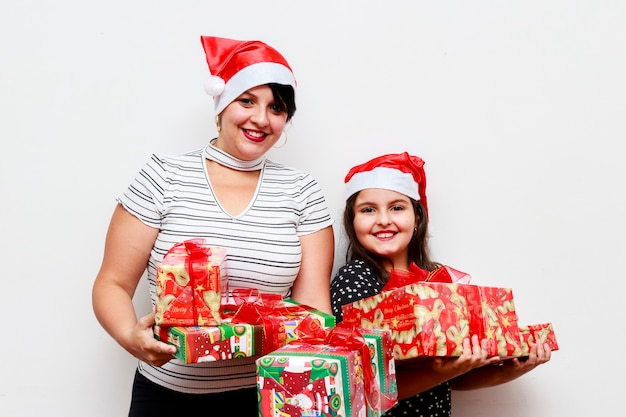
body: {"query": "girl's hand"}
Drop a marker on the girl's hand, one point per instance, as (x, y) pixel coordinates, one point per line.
(539, 353)
(475, 355)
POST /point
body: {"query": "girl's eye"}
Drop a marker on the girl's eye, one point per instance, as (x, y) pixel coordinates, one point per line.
(397, 208)
(367, 210)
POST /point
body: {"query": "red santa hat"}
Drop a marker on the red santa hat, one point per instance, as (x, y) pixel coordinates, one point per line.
(398, 172)
(237, 66)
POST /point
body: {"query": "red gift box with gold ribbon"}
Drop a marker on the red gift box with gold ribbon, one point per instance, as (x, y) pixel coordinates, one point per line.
(538, 333)
(429, 318)
(191, 279)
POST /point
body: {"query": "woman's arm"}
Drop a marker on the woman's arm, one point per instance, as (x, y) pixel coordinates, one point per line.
(127, 249)
(312, 285)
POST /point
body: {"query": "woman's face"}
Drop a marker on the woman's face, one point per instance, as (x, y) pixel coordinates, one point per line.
(251, 124)
(384, 223)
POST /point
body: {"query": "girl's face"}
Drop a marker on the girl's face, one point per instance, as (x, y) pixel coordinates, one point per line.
(251, 124)
(384, 223)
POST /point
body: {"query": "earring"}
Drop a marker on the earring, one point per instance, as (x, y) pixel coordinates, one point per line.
(284, 143)
(218, 124)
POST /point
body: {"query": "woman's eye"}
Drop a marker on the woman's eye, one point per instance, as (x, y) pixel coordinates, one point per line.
(245, 101)
(277, 109)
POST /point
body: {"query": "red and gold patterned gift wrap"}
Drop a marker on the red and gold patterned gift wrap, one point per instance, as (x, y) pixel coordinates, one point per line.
(190, 281)
(235, 338)
(537, 333)
(433, 318)
(329, 379)
(493, 317)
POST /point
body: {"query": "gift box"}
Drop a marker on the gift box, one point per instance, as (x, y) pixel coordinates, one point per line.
(433, 318)
(196, 344)
(332, 376)
(537, 333)
(190, 282)
(383, 367)
(425, 319)
(235, 338)
(494, 318)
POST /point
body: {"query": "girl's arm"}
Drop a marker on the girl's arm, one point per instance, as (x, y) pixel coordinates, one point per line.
(507, 370)
(412, 380)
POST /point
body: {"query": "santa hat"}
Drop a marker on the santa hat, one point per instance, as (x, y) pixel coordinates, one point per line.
(399, 172)
(237, 66)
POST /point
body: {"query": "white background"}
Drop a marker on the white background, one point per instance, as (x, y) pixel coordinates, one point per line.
(517, 107)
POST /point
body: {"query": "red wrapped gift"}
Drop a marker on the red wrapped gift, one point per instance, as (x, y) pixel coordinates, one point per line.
(493, 317)
(327, 376)
(254, 325)
(537, 333)
(433, 318)
(190, 281)
(279, 317)
(425, 319)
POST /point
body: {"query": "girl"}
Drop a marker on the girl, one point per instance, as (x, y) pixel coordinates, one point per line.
(386, 222)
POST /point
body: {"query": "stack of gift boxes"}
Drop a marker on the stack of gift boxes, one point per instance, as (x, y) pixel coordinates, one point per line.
(307, 365)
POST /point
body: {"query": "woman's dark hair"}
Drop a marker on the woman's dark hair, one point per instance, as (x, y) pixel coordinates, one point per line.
(418, 246)
(285, 96)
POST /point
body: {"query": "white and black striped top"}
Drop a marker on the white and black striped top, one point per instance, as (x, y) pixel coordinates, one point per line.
(173, 194)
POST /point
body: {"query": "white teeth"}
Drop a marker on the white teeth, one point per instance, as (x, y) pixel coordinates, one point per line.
(384, 235)
(255, 134)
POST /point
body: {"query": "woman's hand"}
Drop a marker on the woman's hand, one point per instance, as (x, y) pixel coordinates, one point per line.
(142, 344)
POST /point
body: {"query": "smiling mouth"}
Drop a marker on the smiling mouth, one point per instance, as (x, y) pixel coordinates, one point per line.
(384, 235)
(254, 135)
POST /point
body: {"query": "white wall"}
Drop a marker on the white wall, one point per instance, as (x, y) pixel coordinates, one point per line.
(517, 107)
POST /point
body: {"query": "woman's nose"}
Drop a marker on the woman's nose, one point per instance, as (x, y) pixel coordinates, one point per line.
(259, 117)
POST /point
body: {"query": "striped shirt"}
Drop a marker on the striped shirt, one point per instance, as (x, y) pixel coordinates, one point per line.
(174, 194)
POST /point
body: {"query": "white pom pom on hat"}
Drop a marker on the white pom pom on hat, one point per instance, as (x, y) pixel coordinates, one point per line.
(214, 86)
(237, 66)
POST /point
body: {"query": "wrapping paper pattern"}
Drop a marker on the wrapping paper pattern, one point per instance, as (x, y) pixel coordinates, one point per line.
(493, 317)
(190, 281)
(538, 333)
(195, 344)
(383, 364)
(352, 374)
(433, 318)
(306, 380)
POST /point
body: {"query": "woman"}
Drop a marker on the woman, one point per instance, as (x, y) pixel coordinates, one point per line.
(386, 222)
(272, 220)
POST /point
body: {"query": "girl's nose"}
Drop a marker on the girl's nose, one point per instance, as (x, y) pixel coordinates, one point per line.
(384, 218)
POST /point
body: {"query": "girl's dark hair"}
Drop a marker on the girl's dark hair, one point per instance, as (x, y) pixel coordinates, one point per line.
(285, 96)
(418, 246)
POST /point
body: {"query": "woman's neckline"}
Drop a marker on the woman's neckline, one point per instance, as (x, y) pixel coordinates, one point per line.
(215, 154)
